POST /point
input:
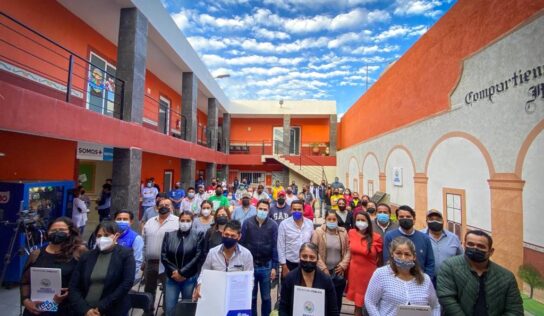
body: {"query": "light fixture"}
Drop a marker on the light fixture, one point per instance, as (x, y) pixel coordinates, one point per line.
(281, 103)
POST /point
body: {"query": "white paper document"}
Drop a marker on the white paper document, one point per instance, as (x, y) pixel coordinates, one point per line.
(308, 301)
(44, 283)
(225, 293)
(414, 310)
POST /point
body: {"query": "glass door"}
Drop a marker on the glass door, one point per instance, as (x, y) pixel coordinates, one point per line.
(277, 141)
(164, 117)
(294, 141)
(101, 86)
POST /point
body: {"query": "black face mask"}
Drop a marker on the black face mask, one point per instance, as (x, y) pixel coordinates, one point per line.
(281, 201)
(435, 226)
(406, 223)
(371, 210)
(342, 207)
(218, 193)
(245, 202)
(164, 210)
(221, 220)
(57, 238)
(308, 266)
(475, 254)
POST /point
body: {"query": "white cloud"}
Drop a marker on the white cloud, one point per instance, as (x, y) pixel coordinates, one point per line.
(370, 69)
(400, 31)
(349, 37)
(350, 20)
(213, 60)
(375, 49)
(417, 7)
(271, 35)
(182, 18)
(274, 71)
(235, 22)
(200, 43)
(305, 4)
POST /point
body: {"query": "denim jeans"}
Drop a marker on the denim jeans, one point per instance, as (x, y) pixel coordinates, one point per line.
(262, 280)
(172, 291)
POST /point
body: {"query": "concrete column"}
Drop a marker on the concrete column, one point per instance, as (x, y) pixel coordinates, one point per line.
(226, 133)
(361, 184)
(188, 172)
(286, 133)
(211, 172)
(212, 127)
(420, 206)
(226, 170)
(333, 130)
(131, 61)
(507, 220)
(347, 184)
(383, 184)
(127, 170)
(189, 95)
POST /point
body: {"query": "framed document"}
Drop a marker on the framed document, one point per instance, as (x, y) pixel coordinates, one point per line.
(225, 293)
(44, 283)
(414, 310)
(308, 301)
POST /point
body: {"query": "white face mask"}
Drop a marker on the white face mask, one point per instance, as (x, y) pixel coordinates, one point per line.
(361, 225)
(104, 243)
(206, 212)
(185, 226)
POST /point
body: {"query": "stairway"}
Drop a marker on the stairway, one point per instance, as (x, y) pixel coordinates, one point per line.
(313, 173)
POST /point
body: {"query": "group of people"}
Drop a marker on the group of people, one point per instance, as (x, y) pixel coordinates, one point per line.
(363, 251)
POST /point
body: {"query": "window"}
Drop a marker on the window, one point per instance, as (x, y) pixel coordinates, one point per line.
(370, 188)
(164, 115)
(454, 206)
(294, 140)
(167, 181)
(252, 177)
(101, 86)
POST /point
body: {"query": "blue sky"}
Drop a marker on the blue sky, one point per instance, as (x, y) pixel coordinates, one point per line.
(302, 49)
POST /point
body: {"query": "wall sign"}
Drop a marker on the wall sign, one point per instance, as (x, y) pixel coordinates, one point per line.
(90, 151)
(397, 176)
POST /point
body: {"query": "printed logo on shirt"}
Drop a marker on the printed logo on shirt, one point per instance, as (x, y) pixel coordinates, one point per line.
(4, 197)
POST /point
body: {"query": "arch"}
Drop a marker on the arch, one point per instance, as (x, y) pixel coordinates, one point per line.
(525, 147)
(370, 153)
(470, 138)
(351, 176)
(402, 147)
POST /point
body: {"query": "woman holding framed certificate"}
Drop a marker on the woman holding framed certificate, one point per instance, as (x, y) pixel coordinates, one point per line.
(62, 253)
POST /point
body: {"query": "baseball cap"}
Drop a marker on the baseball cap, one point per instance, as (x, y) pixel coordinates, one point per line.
(281, 193)
(434, 212)
(246, 195)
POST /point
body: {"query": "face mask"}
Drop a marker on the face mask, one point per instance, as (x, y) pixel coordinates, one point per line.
(342, 208)
(435, 226)
(149, 185)
(404, 265)
(406, 223)
(104, 243)
(206, 212)
(218, 192)
(475, 254)
(262, 214)
(371, 210)
(383, 218)
(57, 238)
(297, 216)
(259, 192)
(361, 225)
(184, 226)
(245, 202)
(289, 191)
(191, 195)
(308, 266)
(214, 184)
(281, 201)
(332, 225)
(221, 220)
(228, 242)
(123, 225)
(164, 210)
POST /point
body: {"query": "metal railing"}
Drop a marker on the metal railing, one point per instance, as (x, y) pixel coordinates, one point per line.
(57, 71)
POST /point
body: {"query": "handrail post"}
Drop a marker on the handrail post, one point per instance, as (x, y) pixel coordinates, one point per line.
(69, 81)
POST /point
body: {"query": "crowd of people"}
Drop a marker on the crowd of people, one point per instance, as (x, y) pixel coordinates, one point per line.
(363, 251)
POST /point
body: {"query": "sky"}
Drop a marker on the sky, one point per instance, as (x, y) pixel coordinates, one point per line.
(302, 49)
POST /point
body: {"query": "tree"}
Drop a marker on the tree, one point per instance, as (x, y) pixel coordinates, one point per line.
(531, 276)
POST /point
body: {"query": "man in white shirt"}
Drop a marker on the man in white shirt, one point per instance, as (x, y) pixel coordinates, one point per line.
(292, 233)
(149, 195)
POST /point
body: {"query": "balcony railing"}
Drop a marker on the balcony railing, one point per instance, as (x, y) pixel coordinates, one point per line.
(277, 147)
(33, 60)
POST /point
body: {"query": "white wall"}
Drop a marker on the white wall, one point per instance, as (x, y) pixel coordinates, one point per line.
(400, 194)
(353, 175)
(458, 164)
(533, 197)
(371, 171)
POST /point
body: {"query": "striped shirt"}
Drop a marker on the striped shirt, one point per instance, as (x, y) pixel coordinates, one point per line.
(386, 292)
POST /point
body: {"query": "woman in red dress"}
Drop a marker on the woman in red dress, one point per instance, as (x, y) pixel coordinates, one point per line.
(366, 250)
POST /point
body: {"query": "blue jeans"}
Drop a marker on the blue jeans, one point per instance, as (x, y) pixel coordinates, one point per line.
(172, 291)
(262, 280)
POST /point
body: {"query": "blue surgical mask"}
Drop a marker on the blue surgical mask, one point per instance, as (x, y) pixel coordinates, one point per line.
(382, 218)
(123, 225)
(297, 216)
(262, 214)
(332, 225)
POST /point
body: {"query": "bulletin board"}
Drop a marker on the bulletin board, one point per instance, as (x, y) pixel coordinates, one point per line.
(87, 176)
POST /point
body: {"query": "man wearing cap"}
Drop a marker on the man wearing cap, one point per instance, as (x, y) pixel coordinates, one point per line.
(445, 244)
(280, 210)
(246, 210)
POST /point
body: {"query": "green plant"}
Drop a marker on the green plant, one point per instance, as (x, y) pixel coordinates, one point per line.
(531, 276)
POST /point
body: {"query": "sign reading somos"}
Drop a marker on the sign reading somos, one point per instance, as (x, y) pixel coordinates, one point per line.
(518, 78)
(91, 151)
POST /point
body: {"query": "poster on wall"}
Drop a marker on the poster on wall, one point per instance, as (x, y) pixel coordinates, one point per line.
(397, 176)
(86, 176)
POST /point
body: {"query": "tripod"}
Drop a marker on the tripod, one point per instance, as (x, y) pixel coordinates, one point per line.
(19, 225)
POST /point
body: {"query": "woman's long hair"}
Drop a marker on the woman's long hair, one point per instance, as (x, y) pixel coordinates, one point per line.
(415, 270)
(69, 247)
(369, 231)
